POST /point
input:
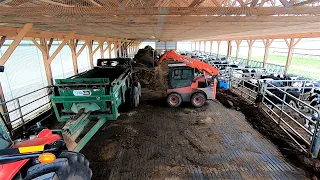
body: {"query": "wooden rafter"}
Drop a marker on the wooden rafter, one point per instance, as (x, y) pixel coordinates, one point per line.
(64, 42)
(94, 3)
(13, 32)
(108, 47)
(57, 3)
(284, 2)
(15, 43)
(215, 2)
(241, 3)
(262, 2)
(305, 3)
(38, 45)
(278, 36)
(253, 3)
(196, 3)
(16, 2)
(81, 49)
(97, 48)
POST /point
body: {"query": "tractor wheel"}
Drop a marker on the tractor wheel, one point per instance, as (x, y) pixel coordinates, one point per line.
(198, 100)
(174, 100)
(136, 96)
(68, 166)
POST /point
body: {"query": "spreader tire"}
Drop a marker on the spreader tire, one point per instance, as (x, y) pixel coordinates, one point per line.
(136, 97)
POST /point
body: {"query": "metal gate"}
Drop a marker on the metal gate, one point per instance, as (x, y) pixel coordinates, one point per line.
(286, 105)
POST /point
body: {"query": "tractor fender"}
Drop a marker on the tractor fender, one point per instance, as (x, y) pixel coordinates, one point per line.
(8, 171)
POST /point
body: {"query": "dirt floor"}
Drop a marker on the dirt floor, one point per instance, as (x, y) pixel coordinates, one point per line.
(158, 142)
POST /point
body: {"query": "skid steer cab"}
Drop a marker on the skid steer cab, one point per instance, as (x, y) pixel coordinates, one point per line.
(185, 85)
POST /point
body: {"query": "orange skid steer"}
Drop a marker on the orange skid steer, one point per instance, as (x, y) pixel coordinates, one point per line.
(190, 81)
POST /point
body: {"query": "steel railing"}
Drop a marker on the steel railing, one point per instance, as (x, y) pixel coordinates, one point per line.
(20, 110)
(288, 115)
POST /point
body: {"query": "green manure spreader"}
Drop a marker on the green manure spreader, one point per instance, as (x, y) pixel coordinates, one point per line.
(94, 96)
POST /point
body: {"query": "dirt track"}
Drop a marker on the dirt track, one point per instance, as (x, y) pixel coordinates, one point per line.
(157, 142)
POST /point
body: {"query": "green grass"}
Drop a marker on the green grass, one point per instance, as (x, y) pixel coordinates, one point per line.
(306, 67)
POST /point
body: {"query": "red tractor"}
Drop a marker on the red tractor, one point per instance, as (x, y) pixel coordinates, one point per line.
(41, 156)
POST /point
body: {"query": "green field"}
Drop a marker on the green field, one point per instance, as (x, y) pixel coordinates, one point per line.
(306, 67)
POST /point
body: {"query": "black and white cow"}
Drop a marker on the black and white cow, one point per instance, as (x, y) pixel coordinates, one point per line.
(314, 98)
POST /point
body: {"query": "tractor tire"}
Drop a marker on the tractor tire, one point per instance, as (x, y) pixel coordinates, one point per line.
(198, 100)
(136, 96)
(68, 166)
(174, 100)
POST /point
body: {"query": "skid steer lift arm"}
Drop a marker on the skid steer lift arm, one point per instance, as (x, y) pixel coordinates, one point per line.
(206, 69)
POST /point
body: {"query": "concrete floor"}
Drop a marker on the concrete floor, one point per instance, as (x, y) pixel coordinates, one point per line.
(158, 142)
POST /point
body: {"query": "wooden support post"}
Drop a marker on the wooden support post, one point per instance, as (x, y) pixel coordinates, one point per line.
(118, 49)
(219, 42)
(73, 46)
(210, 47)
(2, 40)
(101, 49)
(267, 44)
(4, 109)
(115, 46)
(204, 46)
(26, 28)
(109, 49)
(229, 49)
(104, 50)
(238, 42)
(199, 45)
(90, 43)
(290, 45)
(50, 43)
(125, 49)
(43, 47)
(250, 44)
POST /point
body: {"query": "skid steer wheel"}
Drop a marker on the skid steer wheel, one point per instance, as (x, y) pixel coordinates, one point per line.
(68, 166)
(174, 100)
(198, 99)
